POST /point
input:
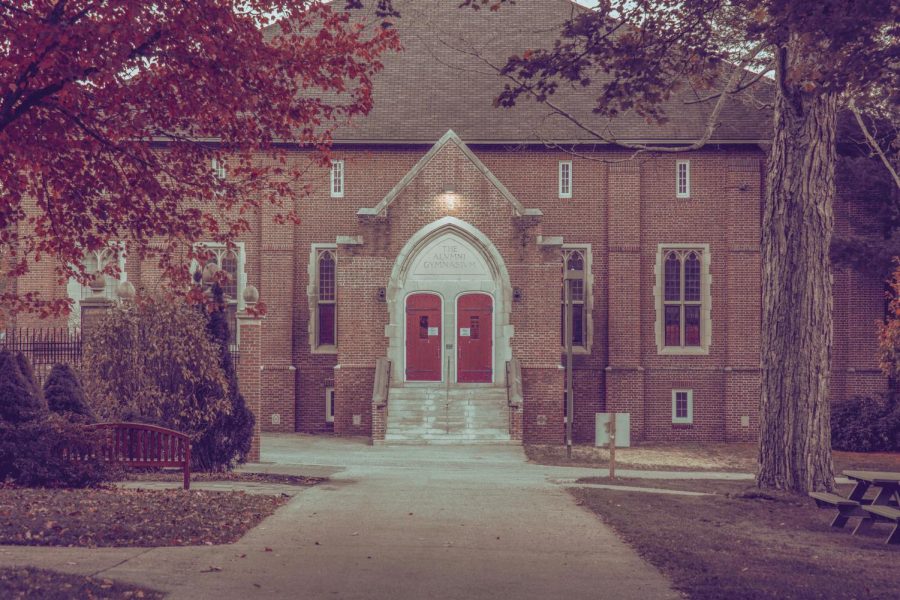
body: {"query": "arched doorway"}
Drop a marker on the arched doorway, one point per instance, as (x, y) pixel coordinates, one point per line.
(452, 262)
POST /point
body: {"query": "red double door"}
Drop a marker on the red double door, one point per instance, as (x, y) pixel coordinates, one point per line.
(474, 338)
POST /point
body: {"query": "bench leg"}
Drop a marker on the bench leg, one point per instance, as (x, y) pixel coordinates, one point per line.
(894, 538)
(187, 477)
(840, 519)
(864, 525)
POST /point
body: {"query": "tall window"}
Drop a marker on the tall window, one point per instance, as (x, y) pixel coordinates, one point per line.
(326, 302)
(565, 179)
(574, 260)
(682, 298)
(218, 168)
(231, 262)
(337, 179)
(683, 178)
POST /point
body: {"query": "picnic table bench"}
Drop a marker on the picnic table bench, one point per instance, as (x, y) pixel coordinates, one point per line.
(140, 445)
(882, 508)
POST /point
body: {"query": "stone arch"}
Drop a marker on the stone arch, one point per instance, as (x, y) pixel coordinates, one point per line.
(484, 272)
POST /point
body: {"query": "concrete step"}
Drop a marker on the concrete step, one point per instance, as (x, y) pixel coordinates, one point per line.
(458, 415)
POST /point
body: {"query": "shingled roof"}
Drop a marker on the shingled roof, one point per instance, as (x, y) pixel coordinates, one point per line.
(441, 81)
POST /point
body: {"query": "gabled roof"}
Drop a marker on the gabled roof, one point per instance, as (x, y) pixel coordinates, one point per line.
(443, 79)
(449, 138)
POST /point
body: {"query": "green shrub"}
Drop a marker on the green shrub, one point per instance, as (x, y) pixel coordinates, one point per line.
(864, 424)
(227, 440)
(64, 394)
(155, 360)
(34, 454)
(20, 397)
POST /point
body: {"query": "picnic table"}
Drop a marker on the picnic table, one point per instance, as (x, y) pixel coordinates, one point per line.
(883, 508)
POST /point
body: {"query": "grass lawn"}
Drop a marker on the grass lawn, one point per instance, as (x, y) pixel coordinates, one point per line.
(24, 582)
(694, 457)
(123, 517)
(738, 544)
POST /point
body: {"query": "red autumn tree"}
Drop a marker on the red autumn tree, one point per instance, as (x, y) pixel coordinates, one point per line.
(822, 54)
(889, 347)
(111, 114)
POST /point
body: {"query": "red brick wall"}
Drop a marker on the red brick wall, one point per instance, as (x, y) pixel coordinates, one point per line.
(622, 208)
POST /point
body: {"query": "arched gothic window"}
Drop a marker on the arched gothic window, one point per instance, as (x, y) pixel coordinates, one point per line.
(682, 298)
(574, 260)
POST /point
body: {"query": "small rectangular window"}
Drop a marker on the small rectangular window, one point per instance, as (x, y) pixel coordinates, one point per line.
(565, 179)
(683, 178)
(329, 405)
(682, 406)
(337, 179)
(218, 168)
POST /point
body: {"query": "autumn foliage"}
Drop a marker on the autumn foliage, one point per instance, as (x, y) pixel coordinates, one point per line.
(111, 114)
(889, 347)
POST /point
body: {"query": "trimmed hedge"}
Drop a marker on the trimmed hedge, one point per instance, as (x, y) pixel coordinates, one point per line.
(64, 394)
(20, 397)
(864, 424)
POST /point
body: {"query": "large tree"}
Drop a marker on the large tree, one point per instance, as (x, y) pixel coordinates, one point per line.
(821, 55)
(111, 114)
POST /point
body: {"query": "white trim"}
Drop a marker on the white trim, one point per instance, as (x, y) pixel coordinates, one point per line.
(705, 301)
(565, 181)
(329, 412)
(443, 326)
(683, 191)
(689, 419)
(218, 168)
(337, 179)
(77, 291)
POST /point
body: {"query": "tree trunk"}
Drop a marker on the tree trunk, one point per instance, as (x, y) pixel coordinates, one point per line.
(795, 432)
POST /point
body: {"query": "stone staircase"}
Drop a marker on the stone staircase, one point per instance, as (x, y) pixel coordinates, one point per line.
(434, 416)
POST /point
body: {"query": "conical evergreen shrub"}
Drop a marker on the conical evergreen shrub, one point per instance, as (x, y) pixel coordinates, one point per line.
(227, 441)
(64, 394)
(20, 397)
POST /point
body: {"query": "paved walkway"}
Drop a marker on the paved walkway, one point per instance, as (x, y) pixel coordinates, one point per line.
(395, 522)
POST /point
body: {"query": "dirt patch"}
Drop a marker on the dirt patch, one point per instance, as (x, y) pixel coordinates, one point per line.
(125, 517)
(26, 582)
(739, 545)
(274, 478)
(739, 458)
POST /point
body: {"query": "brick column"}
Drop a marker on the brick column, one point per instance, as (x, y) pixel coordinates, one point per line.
(248, 369)
(93, 309)
(624, 373)
(743, 298)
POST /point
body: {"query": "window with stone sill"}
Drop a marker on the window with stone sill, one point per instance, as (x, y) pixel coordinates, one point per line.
(94, 262)
(326, 299)
(565, 179)
(683, 319)
(230, 260)
(577, 258)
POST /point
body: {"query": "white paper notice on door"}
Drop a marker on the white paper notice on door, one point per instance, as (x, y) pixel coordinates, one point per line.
(465, 332)
(433, 331)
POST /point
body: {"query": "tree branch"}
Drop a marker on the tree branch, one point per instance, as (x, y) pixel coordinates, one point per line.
(873, 143)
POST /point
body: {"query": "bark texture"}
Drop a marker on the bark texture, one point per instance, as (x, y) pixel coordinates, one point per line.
(795, 433)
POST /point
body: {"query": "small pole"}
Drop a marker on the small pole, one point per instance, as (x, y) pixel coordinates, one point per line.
(612, 445)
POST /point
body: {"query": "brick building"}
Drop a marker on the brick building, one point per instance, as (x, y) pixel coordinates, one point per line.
(421, 296)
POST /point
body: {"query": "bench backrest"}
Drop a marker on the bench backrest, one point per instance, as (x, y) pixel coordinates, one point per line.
(140, 445)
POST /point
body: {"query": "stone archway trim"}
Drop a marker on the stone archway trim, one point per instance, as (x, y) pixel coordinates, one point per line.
(449, 137)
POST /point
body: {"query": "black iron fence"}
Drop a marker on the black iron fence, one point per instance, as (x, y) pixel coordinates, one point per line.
(47, 346)
(44, 347)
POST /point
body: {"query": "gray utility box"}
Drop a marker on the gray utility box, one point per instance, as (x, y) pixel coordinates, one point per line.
(623, 430)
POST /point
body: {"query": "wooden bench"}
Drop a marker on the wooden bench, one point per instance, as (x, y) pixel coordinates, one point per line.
(140, 445)
(846, 508)
(877, 513)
